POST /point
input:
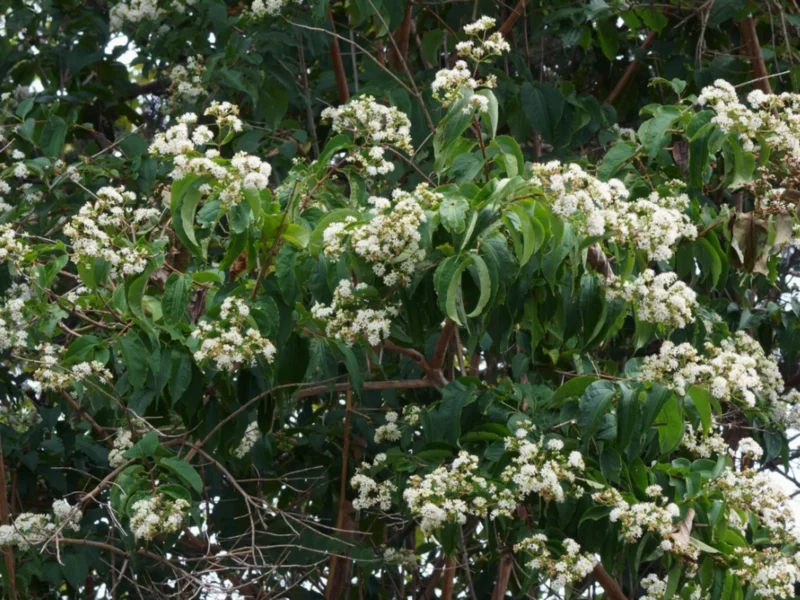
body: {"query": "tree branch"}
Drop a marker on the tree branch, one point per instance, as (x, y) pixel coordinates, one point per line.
(628, 75)
(406, 384)
(155, 88)
(338, 64)
(505, 28)
(753, 49)
(611, 587)
(9, 557)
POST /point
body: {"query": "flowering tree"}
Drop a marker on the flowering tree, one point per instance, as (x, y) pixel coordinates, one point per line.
(419, 321)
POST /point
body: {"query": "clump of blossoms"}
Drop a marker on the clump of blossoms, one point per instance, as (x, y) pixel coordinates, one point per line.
(571, 566)
(347, 318)
(654, 587)
(370, 492)
(272, 8)
(374, 128)
(31, 529)
(449, 84)
(449, 495)
(187, 81)
(704, 444)
(542, 468)
(786, 410)
(595, 208)
(123, 442)
(249, 440)
(771, 573)
(13, 322)
(226, 180)
(390, 431)
(751, 491)
(389, 240)
(20, 415)
(401, 557)
(135, 11)
(637, 519)
(737, 370)
(750, 448)
(233, 340)
(52, 376)
(11, 248)
(100, 230)
(4, 189)
(660, 299)
(157, 515)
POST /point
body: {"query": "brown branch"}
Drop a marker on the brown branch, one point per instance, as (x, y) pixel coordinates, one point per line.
(599, 261)
(441, 345)
(406, 384)
(83, 414)
(753, 49)
(611, 587)
(9, 557)
(519, 9)
(338, 64)
(337, 573)
(503, 575)
(628, 75)
(399, 50)
(449, 575)
(156, 88)
(432, 373)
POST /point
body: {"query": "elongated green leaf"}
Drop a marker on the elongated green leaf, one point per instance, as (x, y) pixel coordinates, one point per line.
(184, 471)
(485, 284)
(176, 297)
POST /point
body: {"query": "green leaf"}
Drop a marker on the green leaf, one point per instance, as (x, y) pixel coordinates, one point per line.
(297, 235)
(432, 45)
(491, 116)
(185, 197)
(335, 216)
(572, 389)
(710, 259)
(593, 405)
(543, 105)
(452, 211)
(617, 155)
(144, 448)
(702, 402)
(670, 425)
(53, 135)
(135, 356)
(739, 164)
(485, 284)
(184, 471)
(176, 297)
(653, 133)
(608, 35)
(627, 415)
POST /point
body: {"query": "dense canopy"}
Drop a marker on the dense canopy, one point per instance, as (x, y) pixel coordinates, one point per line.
(399, 299)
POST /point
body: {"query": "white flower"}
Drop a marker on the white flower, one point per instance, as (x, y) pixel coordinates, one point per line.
(251, 436)
(660, 299)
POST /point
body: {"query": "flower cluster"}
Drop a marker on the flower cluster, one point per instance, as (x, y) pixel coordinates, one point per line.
(157, 515)
(571, 566)
(750, 448)
(99, 231)
(401, 557)
(374, 128)
(348, 319)
(772, 574)
(123, 441)
(636, 519)
(449, 495)
(786, 410)
(52, 376)
(251, 436)
(13, 322)
(751, 491)
(135, 11)
(187, 81)
(654, 224)
(704, 444)
(31, 529)
(389, 241)
(11, 248)
(736, 370)
(233, 340)
(370, 492)
(542, 468)
(660, 299)
(20, 415)
(654, 587)
(272, 8)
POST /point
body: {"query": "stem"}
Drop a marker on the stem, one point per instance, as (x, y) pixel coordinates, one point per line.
(9, 557)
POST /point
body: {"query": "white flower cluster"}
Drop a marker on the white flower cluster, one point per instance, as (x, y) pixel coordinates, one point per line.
(272, 8)
(542, 468)
(636, 519)
(449, 495)
(775, 118)
(654, 587)
(661, 299)
(786, 410)
(11, 248)
(157, 515)
(348, 318)
(570, 567)
(100, 228)
(52, 376)
(370, 492)
(123, 441)
(135, 11)
(226, 115)
(770, 572)
(251, 436)
(449, 84)
(374, 127)
(390, 431)
(20, 415)
(4, 189)
(751, 491)
(232, 341)
(389, 240)
(187, 81)
(401, 557)
(654, 224)
(750, 448)
(13, 323)
(704, 444)
(737, 370)
(31, 529)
